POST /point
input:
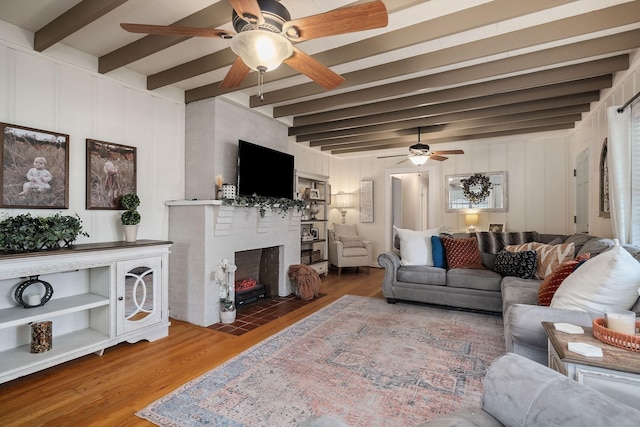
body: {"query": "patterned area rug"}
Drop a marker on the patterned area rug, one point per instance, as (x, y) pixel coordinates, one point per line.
(361, 359)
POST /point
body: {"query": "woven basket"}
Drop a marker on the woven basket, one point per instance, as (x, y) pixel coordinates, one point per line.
(617, 339)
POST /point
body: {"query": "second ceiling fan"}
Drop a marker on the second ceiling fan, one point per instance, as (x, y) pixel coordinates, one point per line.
(265, 34)
(419, 153)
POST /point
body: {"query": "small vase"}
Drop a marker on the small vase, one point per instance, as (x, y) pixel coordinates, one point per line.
(228, 316)
(130, 233)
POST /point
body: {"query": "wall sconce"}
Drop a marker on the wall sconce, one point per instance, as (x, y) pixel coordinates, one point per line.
(471, 219)
(344, 201)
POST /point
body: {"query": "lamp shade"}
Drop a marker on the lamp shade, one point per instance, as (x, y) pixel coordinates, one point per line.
(261, 50)
(344, 200)
(419, 159)
(471, 219)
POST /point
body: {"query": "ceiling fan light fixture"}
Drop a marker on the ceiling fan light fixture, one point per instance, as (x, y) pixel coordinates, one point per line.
(419, 159)
(261, 49)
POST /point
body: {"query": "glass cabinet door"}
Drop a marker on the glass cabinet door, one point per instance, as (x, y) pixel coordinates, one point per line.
(138, 294)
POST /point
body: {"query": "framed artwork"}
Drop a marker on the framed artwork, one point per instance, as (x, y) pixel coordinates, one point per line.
(315, 232)
(35, 168)
(314, 193)
(605, 208)
(497, 227)
(111, 173)
(366, 201)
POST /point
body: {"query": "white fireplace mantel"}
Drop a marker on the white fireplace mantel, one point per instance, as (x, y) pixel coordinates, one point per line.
(204, 232)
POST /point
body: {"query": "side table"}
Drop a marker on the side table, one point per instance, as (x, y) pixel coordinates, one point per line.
(616, 374)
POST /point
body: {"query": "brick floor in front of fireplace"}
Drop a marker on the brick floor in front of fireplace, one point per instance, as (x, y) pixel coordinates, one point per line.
(258, 313)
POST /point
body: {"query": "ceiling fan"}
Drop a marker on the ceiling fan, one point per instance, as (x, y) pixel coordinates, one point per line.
(265, 34)
(419, 153)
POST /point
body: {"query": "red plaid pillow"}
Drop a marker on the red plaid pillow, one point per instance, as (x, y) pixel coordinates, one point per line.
(462, 253)
(552, 282)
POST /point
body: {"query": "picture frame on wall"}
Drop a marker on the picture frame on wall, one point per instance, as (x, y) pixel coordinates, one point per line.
(111, 173)
(35, 168)
(497, 227)
(366, 201)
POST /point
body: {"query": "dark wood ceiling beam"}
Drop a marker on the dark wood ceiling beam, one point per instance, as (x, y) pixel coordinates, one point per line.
(421, 122)
(592, 85)
(213, 16)
(71, 21)
(548, 57)
(521, 131)
(474, 127)
(584, 70)
(569, 104)
(566, 28)
(467, 19)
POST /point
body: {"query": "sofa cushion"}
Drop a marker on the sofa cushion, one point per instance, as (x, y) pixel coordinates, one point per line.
(552, 282)
(484, 280)
(578, 240)
(462, 253)
(551, 256)
(415, 246)
(596, 246)
(610, 280)
(422, 274)
(345, 230)
(518, 291)
(520, 264)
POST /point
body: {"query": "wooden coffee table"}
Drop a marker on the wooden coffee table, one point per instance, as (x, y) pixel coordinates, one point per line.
(616, 374)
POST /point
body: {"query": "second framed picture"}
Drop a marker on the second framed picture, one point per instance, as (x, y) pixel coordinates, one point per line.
(111, 173)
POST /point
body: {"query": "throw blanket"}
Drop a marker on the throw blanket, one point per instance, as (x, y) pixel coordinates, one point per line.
(306, 279)
(492, 242)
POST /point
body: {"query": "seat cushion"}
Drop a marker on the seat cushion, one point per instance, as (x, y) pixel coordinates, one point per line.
(349, 252)
(422, 274)
(484, 280)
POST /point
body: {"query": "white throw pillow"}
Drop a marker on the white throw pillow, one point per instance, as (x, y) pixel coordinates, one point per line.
(609, 280)
(415, 246)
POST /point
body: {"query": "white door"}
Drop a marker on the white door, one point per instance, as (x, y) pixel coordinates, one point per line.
(582, 192)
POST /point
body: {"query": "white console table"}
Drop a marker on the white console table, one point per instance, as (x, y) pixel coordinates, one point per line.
(104, 294)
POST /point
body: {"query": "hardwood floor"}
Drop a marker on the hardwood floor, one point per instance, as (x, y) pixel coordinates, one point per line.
(107, 390)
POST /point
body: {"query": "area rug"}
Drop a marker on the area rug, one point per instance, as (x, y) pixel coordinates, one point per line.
(360, 359)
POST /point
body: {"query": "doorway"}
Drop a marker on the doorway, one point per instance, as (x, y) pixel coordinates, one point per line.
(408, 201)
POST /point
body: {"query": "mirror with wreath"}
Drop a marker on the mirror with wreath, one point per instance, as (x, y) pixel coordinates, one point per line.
(485, 191)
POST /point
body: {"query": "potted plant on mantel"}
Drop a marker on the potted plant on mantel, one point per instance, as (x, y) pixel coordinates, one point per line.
(130, 217)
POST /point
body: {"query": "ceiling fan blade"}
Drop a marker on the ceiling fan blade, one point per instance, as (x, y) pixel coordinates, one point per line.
(236, 74)
(402, 161)
(248, 9)
(438, 158)
(171, 30)
(313, 69)
(339, 21)
(448, 152)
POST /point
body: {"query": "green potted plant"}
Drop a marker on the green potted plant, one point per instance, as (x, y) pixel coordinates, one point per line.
(130, 217)
(26, 233)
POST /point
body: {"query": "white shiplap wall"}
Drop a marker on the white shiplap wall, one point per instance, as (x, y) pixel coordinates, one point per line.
(44, 92)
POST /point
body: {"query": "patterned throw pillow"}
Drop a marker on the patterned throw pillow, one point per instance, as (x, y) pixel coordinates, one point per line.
(520, 264)
(552, 282)
(462, 253)
(550, 257)
(523, 247)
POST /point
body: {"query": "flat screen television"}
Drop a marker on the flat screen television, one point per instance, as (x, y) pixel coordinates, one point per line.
(264, 171)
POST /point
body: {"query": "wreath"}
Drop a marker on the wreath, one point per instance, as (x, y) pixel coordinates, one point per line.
(476, 180)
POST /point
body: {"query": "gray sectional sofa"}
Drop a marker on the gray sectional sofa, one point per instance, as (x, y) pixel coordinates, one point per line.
(515, 298)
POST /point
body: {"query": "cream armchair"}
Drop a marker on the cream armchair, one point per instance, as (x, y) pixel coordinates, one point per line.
(347, 249)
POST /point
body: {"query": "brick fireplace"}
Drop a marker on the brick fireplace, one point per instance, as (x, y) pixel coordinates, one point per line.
(204, 232)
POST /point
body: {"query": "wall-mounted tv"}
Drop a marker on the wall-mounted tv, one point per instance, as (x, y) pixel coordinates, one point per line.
(264, 171)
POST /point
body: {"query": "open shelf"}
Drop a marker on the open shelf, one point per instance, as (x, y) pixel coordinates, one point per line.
(16, 316)
(19, 360)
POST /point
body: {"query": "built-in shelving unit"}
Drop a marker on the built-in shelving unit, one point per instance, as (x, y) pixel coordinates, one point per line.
(314, 190)
(104, 294)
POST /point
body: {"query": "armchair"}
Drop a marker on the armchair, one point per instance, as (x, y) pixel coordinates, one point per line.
(347, 249)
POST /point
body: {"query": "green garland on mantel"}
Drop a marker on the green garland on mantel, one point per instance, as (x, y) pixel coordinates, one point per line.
(276, 204)
(474, 180)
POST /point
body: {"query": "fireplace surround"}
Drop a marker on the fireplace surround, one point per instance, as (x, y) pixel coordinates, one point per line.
(204, 232)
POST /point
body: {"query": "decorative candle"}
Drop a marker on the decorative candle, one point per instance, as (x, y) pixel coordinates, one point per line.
(34, 299)
(623, 321)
